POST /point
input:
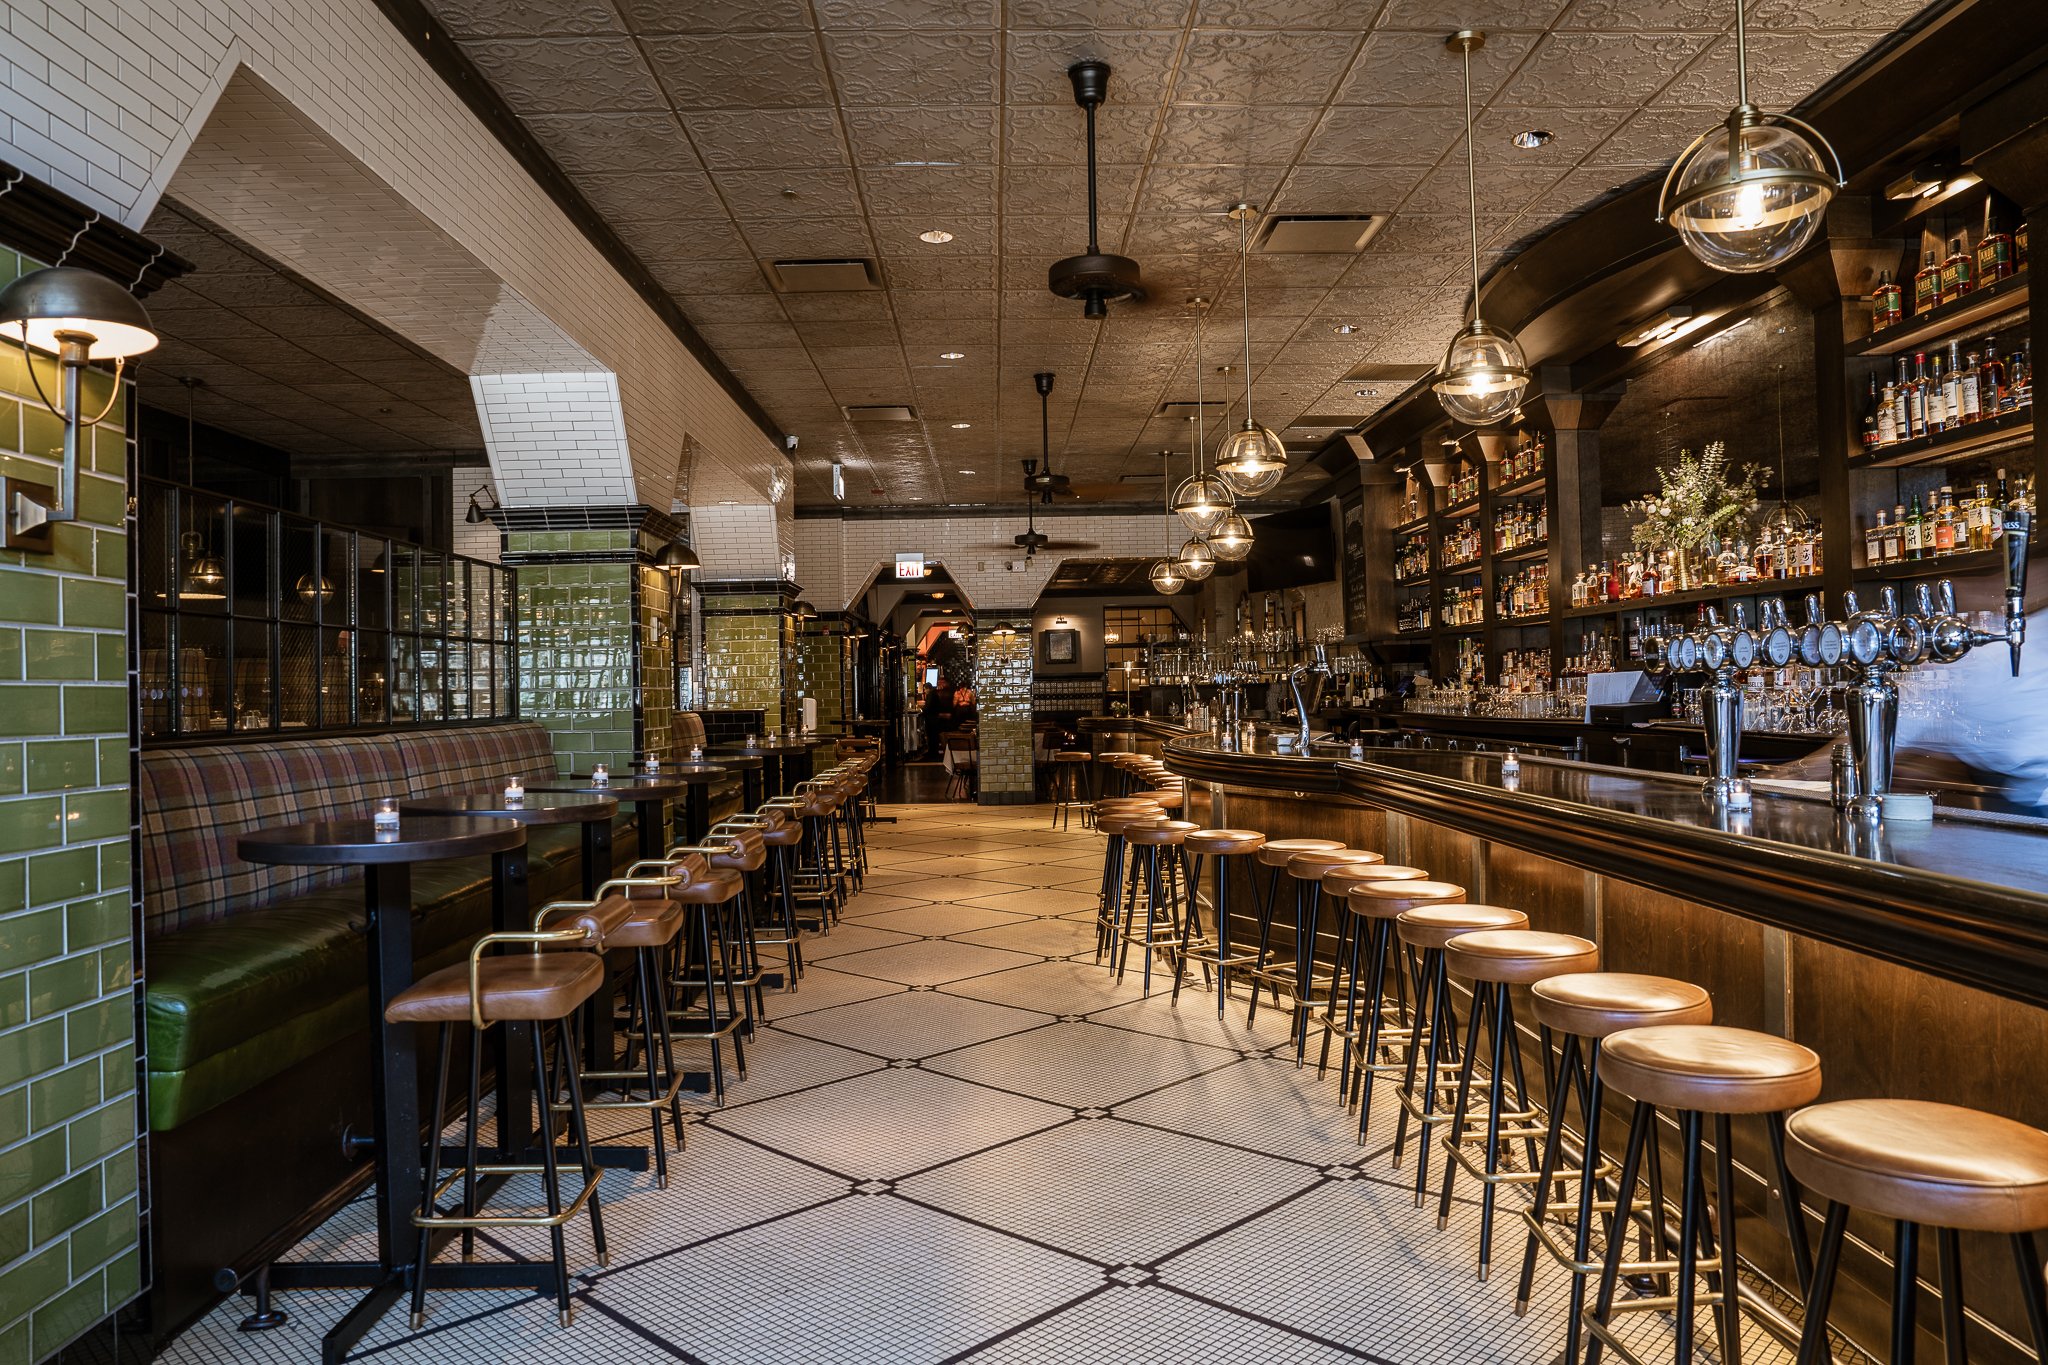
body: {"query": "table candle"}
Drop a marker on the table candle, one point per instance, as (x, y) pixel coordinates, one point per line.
(599, 777)
(515, 792)
(384, 818)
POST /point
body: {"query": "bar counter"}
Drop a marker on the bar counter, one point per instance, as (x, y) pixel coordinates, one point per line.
(1912, 958)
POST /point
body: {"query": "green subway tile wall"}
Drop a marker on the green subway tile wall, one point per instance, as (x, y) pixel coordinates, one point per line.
(657, 662)
(1002, 698)
(70, 1241)
(747, 640)
(821, 674)
(577, 666)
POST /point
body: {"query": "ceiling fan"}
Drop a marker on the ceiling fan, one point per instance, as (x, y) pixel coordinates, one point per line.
(1031, 540)
(1039, 479)
(1095, 277)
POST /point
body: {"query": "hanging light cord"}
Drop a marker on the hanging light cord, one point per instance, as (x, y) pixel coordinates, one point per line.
(1244, 277)
(1741, 58)
(1201, 434)
(1471, 177)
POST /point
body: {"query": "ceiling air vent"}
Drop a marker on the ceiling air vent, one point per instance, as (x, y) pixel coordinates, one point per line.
(822, 277)
(1319, 234)
(1186, 407)
(879, 412)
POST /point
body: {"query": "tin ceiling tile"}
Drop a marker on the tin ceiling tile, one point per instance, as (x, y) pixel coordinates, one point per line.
(563, 75)
(775, 195)
(1229, 66)
(1407, 67)
(765, 139)
(904, 135)
(1601, 69)
(930, 191)
(740, 70)
(596, 144)
(1141, 63)
(714, 16)
(931, 68)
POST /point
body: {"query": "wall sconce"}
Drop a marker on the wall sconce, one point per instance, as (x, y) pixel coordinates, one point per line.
(478, 513)
(678, 556)
(68, 312)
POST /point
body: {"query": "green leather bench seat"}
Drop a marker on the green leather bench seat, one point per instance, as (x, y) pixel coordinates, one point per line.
(231, 1004)
(254, 969)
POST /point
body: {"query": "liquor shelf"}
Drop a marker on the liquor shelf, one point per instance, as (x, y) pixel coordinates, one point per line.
(2014, 429)
(1767, 587)
(1980, 304)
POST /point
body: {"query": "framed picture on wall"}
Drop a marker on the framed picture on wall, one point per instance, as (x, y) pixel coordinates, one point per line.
(1061, 646)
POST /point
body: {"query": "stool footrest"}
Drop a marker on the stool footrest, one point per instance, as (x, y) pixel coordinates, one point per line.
(675, 1083)
(723, 1030)
(506, 1220)
(1551, 1237)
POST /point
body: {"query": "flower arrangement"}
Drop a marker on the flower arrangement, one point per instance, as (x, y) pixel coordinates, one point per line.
(1698, 501)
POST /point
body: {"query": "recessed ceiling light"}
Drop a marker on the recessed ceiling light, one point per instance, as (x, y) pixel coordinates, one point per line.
(1345, 329)
(962, 426)
(1529, 139)
(1367, 393)
(952, 355)
(937, 236)
(966, 471)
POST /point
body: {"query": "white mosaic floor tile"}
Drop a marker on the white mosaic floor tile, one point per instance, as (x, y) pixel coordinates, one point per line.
(1039, 901)
(915, 1024)
(1045, 937)
(942, 918)
(931, 964)
(1081, 1065)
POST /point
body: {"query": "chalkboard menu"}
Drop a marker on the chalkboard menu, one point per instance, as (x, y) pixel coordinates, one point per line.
(1351, 515)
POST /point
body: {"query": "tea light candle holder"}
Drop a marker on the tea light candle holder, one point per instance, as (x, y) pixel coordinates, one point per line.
(753, 741)
(600, 776)
(653, 764)
(515, 792)
(384, 815)
(696, 753)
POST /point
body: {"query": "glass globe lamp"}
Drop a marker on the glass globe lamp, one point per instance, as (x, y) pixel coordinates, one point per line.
(1232, 541)
(1202, 502)
(1483, 375)
(1749, 195)
(1167, 578)
(1252, 460)
(1196, 560)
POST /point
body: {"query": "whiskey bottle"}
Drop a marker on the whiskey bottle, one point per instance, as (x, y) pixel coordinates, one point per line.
(1902, 397)
(1958, 276)
(1917, 402)
(1885, 303)
(2019, 247)
(1952, 385)
(1994, 252)
(1895, 536)
(1967, 392)
(1979, 516)
(1926, 285)
(1991, 386)
(1916, 531)
(1888, 416)
(1873, 540)
(1937, 397)
(1945, 521)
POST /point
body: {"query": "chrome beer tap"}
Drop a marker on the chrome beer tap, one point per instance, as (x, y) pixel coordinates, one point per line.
(1318, 666)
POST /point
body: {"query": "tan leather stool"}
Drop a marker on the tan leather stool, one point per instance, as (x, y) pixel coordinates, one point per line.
(534, 988)
(1307, 870)
(1494, 960)
(1337, 884)
(1273, 856)
(1111, 816)
(1158, 845)
(1221, 845)
(1696, 1070)
(1070, 771)
(1586, 1008)
(1921, 1164)
(1430, 1059)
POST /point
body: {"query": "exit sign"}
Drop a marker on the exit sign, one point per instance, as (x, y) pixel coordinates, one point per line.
(911, 566)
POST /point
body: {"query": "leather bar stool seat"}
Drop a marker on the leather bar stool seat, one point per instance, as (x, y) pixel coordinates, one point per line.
(1373, 892)
(714, 888)
(749, 851)
(1159, 833)
(1518, 956)
(518, 986)
(1704, 1075)
(1586, 1008)
(1711, 1068)
(1277, 851)
(783, 833)
(1440, 913)
(644, 921)
(1593, 1004)
(1920, 1162)
(1115, 822)
(1165, 800)
(1337, 881)
(1160, 881)
(1223, 843)
(1311, 864)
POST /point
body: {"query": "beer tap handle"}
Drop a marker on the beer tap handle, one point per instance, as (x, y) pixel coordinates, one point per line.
(1923, 599)
(2019, 525)
(1850, 606)
(1946, 594)
(1814, 614)
(1888, 600)
(1738, 615)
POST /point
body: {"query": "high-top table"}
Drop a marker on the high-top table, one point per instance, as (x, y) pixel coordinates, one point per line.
(512, 910)
(650, 795)
(786, 762)
(386, 859)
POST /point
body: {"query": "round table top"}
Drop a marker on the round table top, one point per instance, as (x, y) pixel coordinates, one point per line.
(418, 839)
(635, 786)
(769, 746)
(539, 807)
(741, 759)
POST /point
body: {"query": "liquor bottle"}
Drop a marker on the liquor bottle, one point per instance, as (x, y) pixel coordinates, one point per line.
(2004, 497)
(1967, 392)
(1916, 531)
(1652, 580)
(1979, 515)
(1926, 285)
(1873, 540)
(1885, 303)
(2019, 247)
(1944, 518)
(1937, 397)
(1888, 416)
(2019, 380)
(1895, 536)
(1958, 273)
(1994, 252)
(1952, 386)
(1916, 401)
(1991, 387)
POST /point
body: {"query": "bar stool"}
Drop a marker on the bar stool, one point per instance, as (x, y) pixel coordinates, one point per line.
(1273, 856)
(1307, 870)
(1586, 1008)
(646, 926)
(707, 897)
(1424, 929)
(1160, 842)
(1221, 845)
(1374, 959)
(1070, 773)
(1494, 960)
(745, 852)
(1697, 1070)
(1111, 817)
(1921, 1164)
(535, 988)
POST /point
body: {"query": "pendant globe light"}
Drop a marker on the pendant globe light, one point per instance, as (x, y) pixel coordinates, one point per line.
(1233, 540)
(1202, 501)
(1252, 459)
(1749, 194)
(1483, 373)
(1196, 560)
(1166, 574)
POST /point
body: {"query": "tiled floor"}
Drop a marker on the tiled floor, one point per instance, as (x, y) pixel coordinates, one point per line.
(961, 1140)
